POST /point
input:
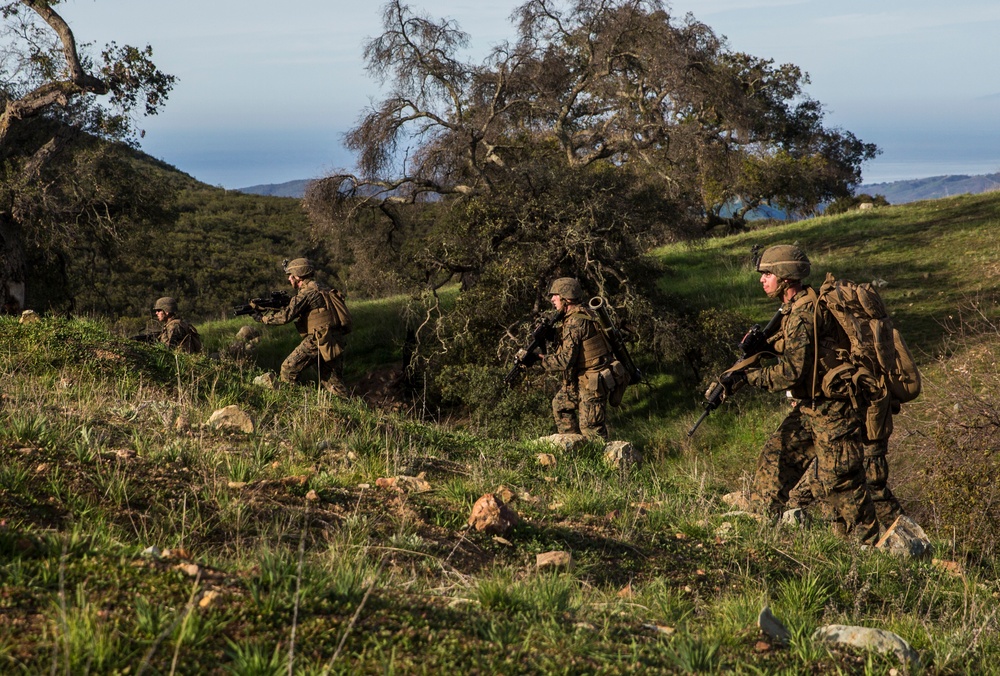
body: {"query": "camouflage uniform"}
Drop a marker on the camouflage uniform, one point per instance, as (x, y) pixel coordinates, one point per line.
(887, 507)
(826, 429)
(321, 342)
(580, 405)
(180, 335)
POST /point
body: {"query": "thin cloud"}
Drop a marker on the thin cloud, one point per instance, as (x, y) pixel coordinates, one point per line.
(867, 25)
(712, 7)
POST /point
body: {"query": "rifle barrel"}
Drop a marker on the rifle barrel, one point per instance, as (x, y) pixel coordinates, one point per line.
(700, 421)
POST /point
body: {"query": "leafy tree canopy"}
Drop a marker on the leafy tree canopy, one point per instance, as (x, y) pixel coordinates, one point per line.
(62, 185)
(607, 127)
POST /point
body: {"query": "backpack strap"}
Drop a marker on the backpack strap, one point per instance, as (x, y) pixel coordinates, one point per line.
(814, 297)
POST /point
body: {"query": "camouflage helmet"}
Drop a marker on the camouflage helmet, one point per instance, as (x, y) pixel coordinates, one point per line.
(300, 267)
(567, 288)
(167, 304)
(785, 262)
(247, 333)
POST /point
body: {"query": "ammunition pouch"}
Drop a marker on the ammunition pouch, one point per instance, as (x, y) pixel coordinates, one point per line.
(610, 381)
(838, 382)
(875, 400)
(328, 343)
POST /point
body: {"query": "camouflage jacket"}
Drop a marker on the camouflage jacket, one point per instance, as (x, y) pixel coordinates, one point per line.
(578, 327)
(794, 343)
(309, 299)
(179, 334)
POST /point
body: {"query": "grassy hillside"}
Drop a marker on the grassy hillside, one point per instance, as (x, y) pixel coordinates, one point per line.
(210, 248)
(136, 537)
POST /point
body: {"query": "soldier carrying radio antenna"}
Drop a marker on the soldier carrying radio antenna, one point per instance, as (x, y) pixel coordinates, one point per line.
(580, 405)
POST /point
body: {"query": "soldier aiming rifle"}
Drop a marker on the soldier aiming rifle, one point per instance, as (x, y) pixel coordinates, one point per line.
(274, 301)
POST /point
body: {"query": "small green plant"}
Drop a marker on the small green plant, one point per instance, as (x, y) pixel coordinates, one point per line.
(150, 618)
(14, 476)
(551, 594)
(693, 655)
(84, 447)
(500, 593)
(241, 467)
(83, 638)
(26, 429)
(251, 658)
(802, 599)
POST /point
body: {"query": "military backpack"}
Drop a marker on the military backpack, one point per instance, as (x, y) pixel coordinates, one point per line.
(879, 364)
(337, 304)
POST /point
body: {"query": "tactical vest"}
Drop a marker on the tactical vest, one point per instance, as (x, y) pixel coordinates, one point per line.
(189, 342)
(319, 317)
(830, 352)
(595, 350)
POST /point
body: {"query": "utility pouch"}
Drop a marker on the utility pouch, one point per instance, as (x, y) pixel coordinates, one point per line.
(878, 418)
(329, 348)
(838, 382)
(621, 378)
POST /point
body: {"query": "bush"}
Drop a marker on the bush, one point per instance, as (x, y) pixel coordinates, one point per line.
(949, 444)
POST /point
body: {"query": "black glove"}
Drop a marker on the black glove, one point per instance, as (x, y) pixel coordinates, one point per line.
(733, 380)
(257, 317)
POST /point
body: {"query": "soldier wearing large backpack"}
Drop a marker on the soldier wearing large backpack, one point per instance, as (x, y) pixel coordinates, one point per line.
(821, 425)
(319, 316)
(580, 405)
(176, 334)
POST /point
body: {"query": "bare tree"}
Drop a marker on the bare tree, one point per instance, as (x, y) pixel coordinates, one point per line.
(59, 183)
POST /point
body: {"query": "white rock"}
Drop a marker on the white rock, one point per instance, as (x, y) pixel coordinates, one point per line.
(231, 417)
(878, 640)
(621, 455)
(556, 559)
(905, 538)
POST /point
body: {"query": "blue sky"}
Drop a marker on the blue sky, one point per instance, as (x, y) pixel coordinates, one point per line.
(266, 90)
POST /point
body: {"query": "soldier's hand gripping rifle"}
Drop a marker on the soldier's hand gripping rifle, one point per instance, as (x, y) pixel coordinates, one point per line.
(753, 346)
(276, 300)
(146, 337)
(529, 355)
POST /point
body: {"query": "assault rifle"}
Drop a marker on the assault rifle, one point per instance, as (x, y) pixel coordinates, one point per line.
(529, 356)
(753, 346)
(277, 299)
(146, 337)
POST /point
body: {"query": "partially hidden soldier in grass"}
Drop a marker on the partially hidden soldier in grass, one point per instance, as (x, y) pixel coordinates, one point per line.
(321, 326)
(820, 426)
(580, 405)
(176, 334)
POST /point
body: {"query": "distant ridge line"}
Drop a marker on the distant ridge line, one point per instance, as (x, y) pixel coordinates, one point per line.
(287, 189)
(896, 192)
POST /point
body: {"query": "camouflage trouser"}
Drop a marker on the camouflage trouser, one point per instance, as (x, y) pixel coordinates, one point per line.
(828, 432)
(578, 410)
(331, 372)
(887, 507)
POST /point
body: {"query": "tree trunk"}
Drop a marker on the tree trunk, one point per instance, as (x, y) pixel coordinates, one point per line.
(12, 267)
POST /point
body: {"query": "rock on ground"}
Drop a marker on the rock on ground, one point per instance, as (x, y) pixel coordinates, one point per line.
(491, 515)
(865, 638)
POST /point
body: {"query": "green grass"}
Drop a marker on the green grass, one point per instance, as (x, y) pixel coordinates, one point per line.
(278, 549)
